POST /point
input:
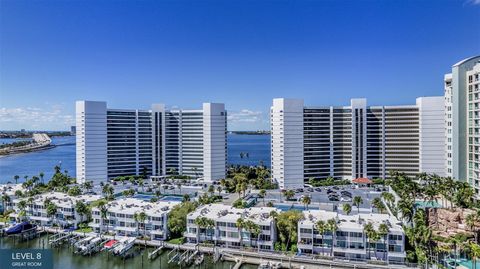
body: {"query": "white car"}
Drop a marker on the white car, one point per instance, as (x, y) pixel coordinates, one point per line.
(345, 199)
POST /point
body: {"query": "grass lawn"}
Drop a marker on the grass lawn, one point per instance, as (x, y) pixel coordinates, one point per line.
(96, 203)
(85, 230)
(176, 241)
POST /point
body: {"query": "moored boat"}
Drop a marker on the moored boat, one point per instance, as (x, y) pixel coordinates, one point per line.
(19, 228)
(110, 244)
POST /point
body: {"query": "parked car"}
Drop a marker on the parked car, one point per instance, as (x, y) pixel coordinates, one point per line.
(346, 193)
(318, 189)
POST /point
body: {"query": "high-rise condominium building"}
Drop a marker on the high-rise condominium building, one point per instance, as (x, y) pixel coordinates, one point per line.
(119, 142)
(355, 141)
(462, 118)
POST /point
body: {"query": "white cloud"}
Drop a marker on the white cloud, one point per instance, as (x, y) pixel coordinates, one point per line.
(245, 115)
(473, 2)
(53, 117)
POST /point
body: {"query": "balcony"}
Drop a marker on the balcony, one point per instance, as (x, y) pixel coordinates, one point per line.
(305, 246)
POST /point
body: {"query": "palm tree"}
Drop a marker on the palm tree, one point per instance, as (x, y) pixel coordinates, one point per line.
(357, 201)
(18, 193)
(51, 210)
(88, 185)
(35, 179)
(137, 221)
(108, 191)
(254, 230)
(262, 193)
(22, 204)
(206, 224)
(378, 204)
(369, 231)
(141, 218)
(141, 183)
(332, 227)
(179, 187)
(347, 208)
(102, 205)
(81, 209)
(321, 227)
(475, 253)
(383, 231)
(405, 207)
(388, 197)
(289, 194)
(41, 176)
(16, 177)
(238, 189)
(211, 190)
(5, 199)
(240, 225)
(306, 200)
(471, 221)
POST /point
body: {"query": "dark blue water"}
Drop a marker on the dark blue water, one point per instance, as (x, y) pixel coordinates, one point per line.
(30, 164)
(257, 147)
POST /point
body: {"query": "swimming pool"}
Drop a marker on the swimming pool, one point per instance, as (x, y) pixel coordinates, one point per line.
(171, 198)
(462, 262)
(469, 264)
(145, 197)
(286, 207)
(167, 198)
(424, 204)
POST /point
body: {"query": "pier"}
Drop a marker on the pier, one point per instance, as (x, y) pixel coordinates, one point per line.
(186, 253)
(152, 255)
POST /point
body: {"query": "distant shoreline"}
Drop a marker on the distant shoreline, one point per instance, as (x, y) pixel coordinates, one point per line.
(29, 134)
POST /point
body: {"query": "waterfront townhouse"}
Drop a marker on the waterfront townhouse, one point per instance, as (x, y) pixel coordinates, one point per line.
(349, 241)
(355, 141)
(121, 142)
(462, 121)
(124, 217)
(218, 223)
(11, 189)
(34, 209)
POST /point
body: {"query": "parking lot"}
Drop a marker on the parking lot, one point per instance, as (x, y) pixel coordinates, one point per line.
(319, 195)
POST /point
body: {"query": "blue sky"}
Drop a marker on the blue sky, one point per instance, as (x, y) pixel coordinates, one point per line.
(242, 53)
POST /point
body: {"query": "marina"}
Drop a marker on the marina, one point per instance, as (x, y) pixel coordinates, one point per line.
(146, 253)
(138, 256)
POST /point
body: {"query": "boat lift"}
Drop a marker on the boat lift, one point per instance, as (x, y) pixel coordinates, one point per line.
(152, 255)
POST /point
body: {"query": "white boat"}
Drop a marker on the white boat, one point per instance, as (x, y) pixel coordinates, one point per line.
(199, 259)
(83, 241)
(87, 247)
(124, 245)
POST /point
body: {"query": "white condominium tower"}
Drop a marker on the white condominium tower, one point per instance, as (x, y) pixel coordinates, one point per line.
(462, 117)
(120, 142)
(355, 141)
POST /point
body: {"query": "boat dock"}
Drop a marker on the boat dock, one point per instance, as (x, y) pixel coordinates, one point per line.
(152, 255)
(189, 253)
